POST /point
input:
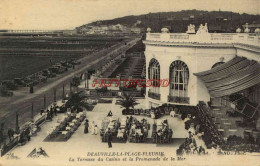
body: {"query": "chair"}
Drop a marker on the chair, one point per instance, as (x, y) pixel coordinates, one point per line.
(141, 112)
(136, 112)
(167, 111)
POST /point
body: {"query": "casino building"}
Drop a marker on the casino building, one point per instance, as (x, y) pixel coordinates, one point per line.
(202, 66)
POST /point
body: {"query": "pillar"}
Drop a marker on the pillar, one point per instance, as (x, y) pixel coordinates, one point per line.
(54, 95)
(16, 123)
(32, 112)
(44, 101)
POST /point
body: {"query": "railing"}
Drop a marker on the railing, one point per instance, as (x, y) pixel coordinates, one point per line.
(229, 38)
(175, 99)
(40, 120)
(12, 143)
(113, 93)
(154, 95)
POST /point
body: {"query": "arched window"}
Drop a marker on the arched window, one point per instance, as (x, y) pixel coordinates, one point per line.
(179, 78)
(154, 74)
(217, 64)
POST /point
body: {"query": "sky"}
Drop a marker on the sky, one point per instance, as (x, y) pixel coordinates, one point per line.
(68, 14)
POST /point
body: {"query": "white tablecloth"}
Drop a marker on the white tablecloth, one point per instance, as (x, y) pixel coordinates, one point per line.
(64, 132)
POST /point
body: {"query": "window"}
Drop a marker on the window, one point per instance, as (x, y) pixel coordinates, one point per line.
(179, 78)
(154, 75)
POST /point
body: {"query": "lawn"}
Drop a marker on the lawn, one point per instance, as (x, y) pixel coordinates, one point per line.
(21, 56)
(13, 66)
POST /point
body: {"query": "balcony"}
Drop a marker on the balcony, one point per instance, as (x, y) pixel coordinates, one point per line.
(182, 100)
(155, 96)
(208, 38)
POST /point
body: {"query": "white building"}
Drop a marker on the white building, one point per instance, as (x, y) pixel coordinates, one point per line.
(182, 58)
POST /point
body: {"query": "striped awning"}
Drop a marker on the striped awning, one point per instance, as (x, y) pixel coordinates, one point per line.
(231, 77)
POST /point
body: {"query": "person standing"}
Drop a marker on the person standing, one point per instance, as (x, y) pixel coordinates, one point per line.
(86, 127)
(55, 111)
(95, 130)
(109, 141)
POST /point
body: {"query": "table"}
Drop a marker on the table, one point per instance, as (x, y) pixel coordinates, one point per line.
(71, 124)
(64, 132)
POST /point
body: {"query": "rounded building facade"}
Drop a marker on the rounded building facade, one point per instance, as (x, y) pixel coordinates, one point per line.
(177, 57)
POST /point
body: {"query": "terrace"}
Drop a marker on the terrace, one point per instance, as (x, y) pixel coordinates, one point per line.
(236, 39)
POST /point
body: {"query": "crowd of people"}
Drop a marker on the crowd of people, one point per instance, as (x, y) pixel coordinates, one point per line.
(93, 127)
(50, 112)
(138, 129)
(199, 122)
(161, 132)
(190, 147)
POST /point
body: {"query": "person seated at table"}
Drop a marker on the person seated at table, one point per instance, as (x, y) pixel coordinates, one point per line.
(132, 131)
(172, 113)
(138, 130)
(55, 111)
(42, 111)
(165, 130)
(165, 121)
(51, 113)
(110, 114)
(144, 121)
(10, 134)
(201, 150)
(131, 119)
(27, 133)
(127, 120)
(159, 132)
(152, 115)
(120, 133)
(191, 130)
(48, 117)
(22, 137)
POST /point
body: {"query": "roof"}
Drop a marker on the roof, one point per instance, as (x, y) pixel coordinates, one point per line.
(231, 77)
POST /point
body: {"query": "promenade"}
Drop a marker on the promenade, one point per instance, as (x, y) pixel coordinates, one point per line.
(22, 100)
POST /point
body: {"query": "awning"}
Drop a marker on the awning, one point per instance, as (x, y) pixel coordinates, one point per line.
(231, 77)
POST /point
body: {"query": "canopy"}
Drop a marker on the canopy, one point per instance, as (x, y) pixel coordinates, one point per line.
(231, 77)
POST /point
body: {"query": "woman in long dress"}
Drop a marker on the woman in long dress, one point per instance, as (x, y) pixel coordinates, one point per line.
(96, 130)
(86, 127)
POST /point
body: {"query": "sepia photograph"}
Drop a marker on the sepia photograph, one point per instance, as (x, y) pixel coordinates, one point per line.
(129, 82)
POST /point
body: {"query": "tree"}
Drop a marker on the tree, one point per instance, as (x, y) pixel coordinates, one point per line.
(77, 101)
(75, 81)
(127, 101)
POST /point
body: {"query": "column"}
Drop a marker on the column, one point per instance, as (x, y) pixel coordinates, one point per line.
(164, 74)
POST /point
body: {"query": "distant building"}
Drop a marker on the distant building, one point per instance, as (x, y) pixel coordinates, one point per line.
(252, 26)
(136, 30)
